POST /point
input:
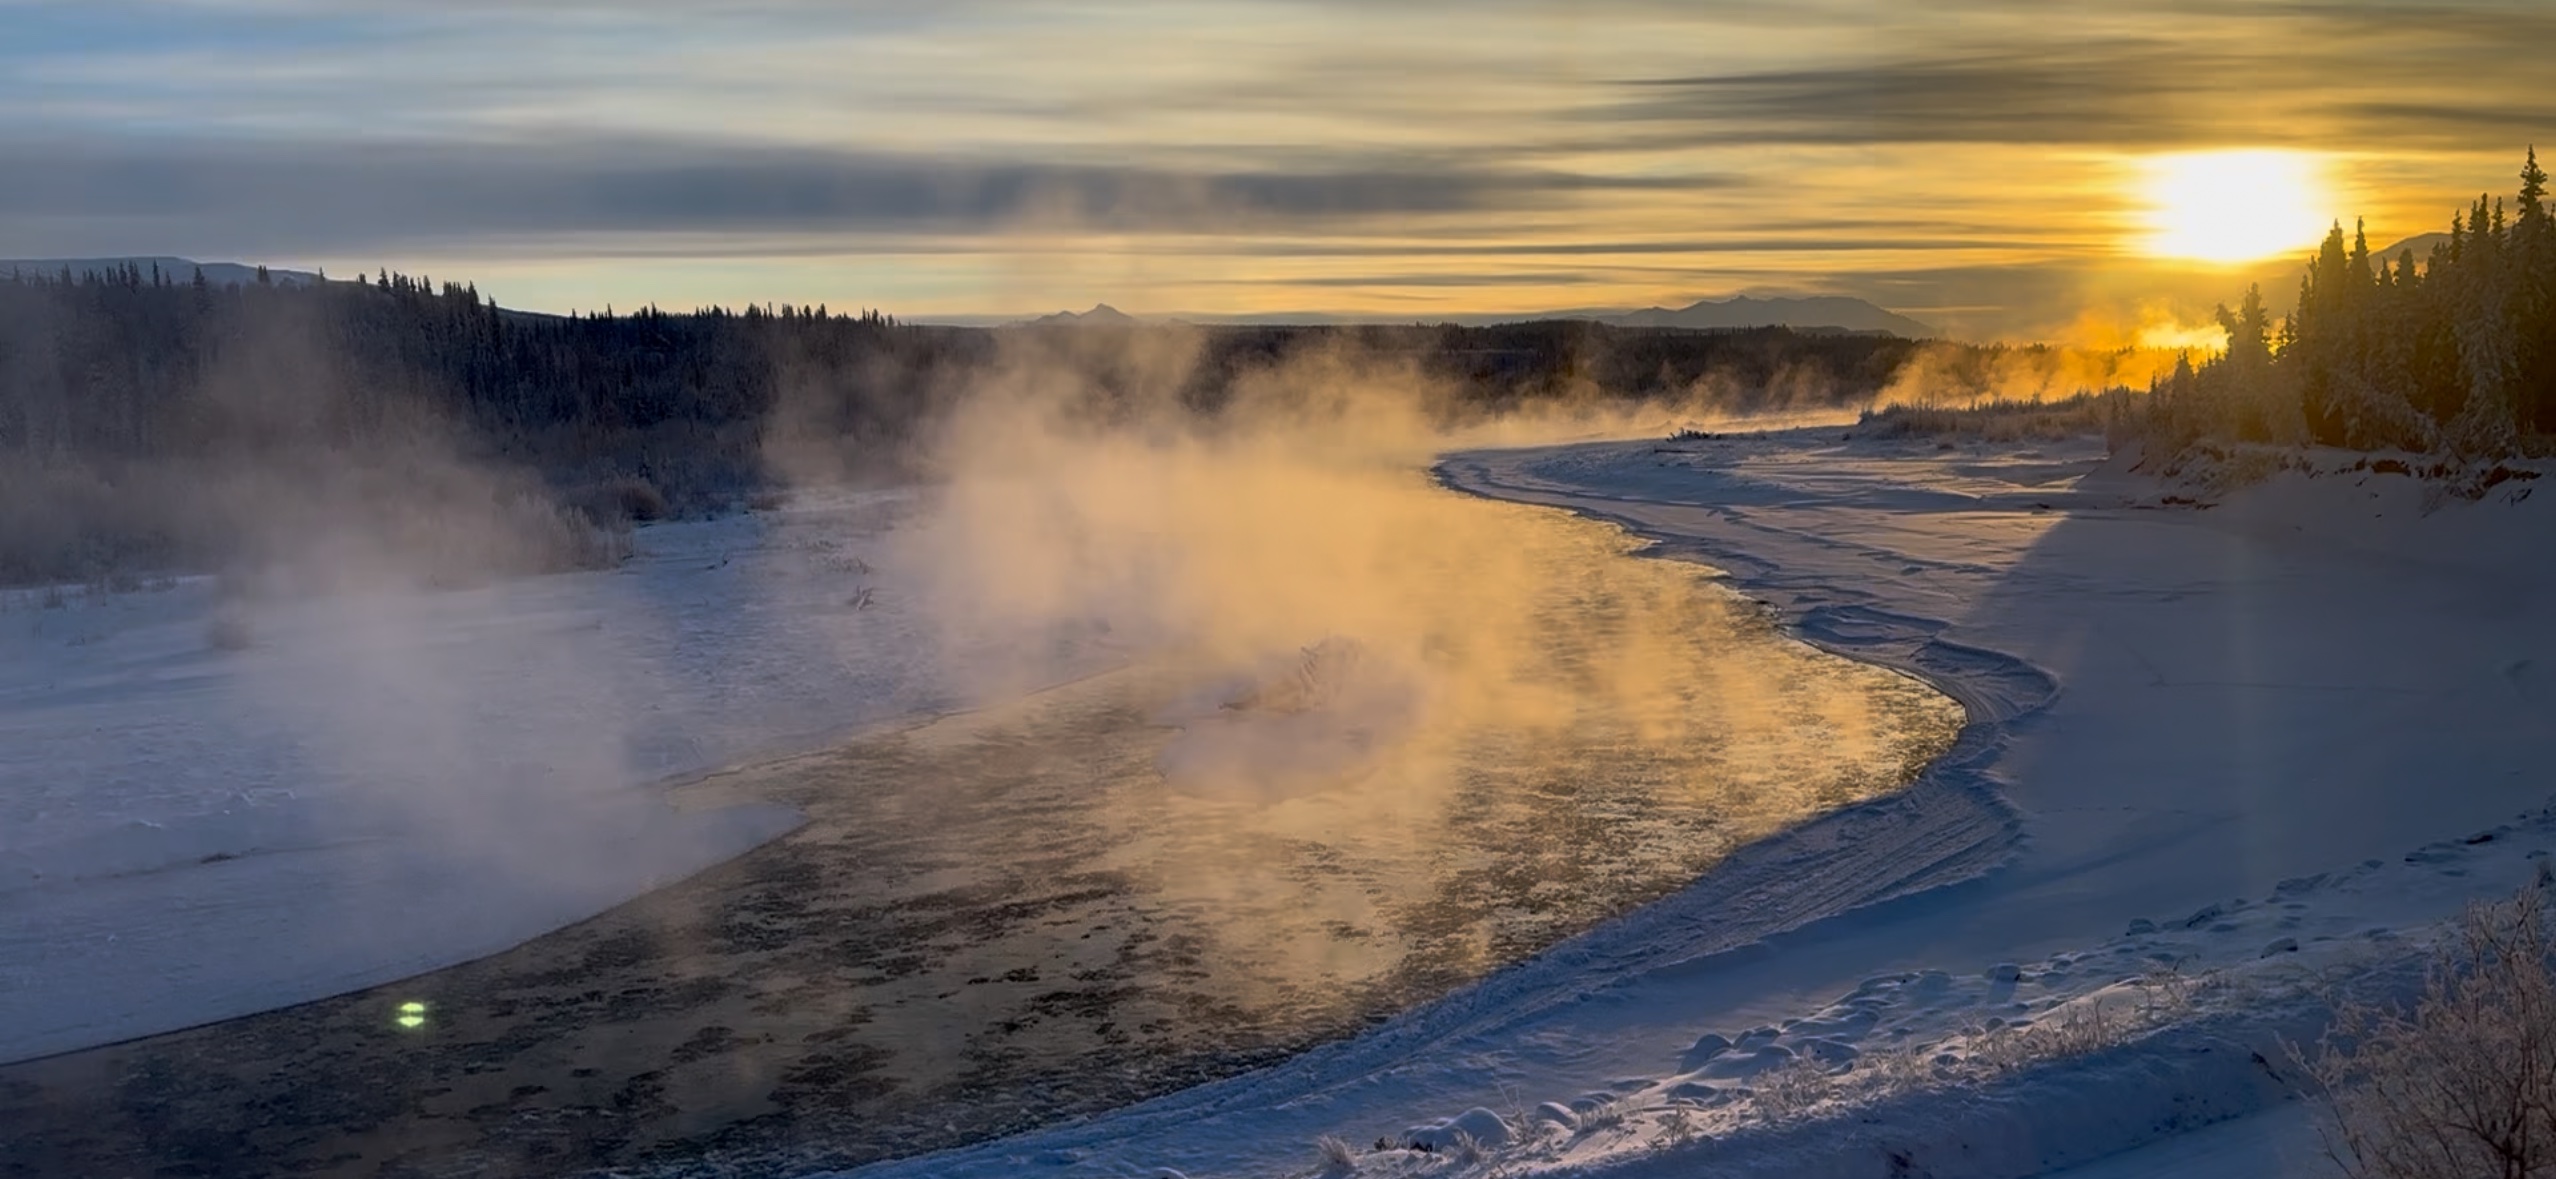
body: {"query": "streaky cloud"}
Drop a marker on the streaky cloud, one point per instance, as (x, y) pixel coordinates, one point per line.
(219, 195)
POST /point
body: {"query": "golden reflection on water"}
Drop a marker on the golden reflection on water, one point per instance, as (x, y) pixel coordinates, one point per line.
(1380, 739)
(1348, 770)
(1511, 769)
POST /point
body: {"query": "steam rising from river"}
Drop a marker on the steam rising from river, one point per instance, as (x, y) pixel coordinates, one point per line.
(1360, 668)
(1342, 740)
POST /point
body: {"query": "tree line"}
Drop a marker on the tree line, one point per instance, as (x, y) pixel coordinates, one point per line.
(2454, 351)
(125, 393)
(124, 365)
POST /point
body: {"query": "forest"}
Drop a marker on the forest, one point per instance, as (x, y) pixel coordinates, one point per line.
(157, 422)
(2453, 352)
(152, 421)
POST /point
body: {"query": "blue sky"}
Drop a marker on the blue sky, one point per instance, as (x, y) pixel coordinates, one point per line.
(1972, 162)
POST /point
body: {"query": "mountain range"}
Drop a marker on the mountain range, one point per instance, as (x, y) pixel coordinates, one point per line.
(1101, 315)
(1835, 313)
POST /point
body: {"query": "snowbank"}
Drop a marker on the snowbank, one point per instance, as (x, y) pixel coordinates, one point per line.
(2206, 736)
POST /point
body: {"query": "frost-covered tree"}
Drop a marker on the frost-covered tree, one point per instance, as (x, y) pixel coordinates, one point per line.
(2458, 352)
(2258, 408)
(2482, 322)
(2533, 299)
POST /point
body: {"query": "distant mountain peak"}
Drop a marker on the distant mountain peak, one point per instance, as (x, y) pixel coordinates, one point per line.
(1101, 314)
(2420, 243)
(1838, 312)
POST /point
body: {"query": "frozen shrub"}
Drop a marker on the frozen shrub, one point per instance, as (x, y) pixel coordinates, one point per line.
(2463, 1083)
(1338, 1157)
(1793, 1089)
(1606, 1117)
(2082, 1030)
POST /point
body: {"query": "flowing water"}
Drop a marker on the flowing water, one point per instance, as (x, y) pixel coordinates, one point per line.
(1422, 759)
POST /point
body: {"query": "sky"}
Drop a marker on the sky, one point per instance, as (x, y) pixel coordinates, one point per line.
(1978, 164)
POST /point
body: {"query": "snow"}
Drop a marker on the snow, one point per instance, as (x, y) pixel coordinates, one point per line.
(384, 783)
(2221, 756)
(2280, 1144)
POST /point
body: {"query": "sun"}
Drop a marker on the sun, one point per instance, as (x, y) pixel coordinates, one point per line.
(2233, 206)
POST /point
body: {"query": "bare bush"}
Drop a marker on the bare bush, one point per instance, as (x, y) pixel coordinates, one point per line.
(2462, 1084)
(1338, 1157)
(1794, 1088)
(1611, 1115)
(2083, 1030)
(1894, 1072)
(2166, 991)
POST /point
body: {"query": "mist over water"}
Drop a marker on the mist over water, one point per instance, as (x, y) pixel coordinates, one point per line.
(1265, 736)
(1372, 739)
(1418, 691)
(1361, 768)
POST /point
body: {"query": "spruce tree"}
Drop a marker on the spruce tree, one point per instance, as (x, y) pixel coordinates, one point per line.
(2533, 309)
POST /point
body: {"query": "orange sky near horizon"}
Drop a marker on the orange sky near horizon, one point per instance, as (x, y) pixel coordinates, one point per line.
(1985, 165)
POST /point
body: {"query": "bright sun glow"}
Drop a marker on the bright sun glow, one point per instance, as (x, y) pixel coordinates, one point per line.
(2234, 206)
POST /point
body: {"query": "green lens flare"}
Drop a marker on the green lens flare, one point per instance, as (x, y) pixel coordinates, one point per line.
(412, 1015)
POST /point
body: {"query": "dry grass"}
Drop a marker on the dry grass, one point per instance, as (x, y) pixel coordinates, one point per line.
(1794, 1089)
(2083, 1031)
(2095, 1023)
(1606, 1117)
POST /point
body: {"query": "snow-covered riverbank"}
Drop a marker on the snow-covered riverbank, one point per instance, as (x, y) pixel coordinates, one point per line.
(383, 784)
(1432, 736)
(2219, 755)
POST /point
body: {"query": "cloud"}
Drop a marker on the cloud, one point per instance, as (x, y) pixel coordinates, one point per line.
(2168, 76)
(1253, 154)
(60, 196)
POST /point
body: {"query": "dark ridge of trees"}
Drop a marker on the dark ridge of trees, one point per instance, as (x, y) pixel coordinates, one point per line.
(139, 366)
(2453, 352)
(127, 397)
(137, 407)
(1503, 367)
